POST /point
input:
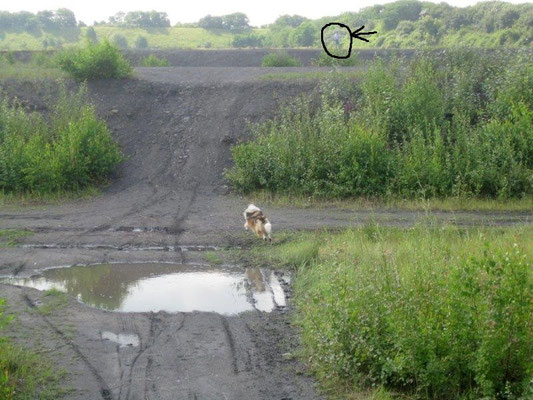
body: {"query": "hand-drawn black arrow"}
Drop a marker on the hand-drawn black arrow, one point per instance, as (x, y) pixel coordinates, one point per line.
(358, 32)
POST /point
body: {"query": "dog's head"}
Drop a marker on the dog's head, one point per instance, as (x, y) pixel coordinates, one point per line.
(250, 210)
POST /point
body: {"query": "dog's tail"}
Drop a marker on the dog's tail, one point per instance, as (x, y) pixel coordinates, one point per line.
(268, 230)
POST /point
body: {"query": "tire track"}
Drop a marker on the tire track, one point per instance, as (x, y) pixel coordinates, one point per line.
(231, 343)
(104, 388)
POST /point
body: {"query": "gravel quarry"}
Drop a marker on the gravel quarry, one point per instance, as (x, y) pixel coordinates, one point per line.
(165, 209)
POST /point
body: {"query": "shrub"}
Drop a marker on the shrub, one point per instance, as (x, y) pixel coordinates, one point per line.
(433, 128)
(438, 313)
(280, 59)
(154, 61)
(95, 61)
(141, 42)
(249, 40)
(119, 40)
(90, 34)
(71, 151)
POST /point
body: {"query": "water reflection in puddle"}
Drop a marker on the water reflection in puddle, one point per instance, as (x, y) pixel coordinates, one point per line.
(164, 287)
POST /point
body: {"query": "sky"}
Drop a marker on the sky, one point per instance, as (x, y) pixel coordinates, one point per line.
(259, 12)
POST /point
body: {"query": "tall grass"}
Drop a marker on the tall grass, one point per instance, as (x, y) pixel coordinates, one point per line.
(428, 312)
(457, 125)
(69, 151)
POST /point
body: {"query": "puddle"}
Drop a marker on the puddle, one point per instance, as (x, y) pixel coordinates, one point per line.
(122, 339)
(164, 287)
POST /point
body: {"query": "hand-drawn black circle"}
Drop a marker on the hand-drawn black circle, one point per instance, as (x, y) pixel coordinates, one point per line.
(353, 35)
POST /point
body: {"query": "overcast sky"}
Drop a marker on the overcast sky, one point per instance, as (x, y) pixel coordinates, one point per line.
(259, 12)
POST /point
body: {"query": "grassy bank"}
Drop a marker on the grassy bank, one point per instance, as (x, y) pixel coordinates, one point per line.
(24, 374)
(427, 312)
(434, 127)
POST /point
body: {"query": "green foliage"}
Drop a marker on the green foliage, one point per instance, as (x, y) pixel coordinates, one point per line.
(68, 152)
(280, 59)
(95, 61)
(431, 312)
(236, 22)
(90, 35)
(248, 40)
(119, 41)
(141, 42)
(154, 61)
(305, 35)
(456, 125)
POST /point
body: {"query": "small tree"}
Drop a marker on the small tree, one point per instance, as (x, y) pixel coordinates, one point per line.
(141, 42)
(90, 34)
(120, 41)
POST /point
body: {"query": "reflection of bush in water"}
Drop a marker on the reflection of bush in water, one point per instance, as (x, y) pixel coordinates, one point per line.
(105, 286)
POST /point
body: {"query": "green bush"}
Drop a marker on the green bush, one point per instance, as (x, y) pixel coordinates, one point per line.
(280, 59)
(458, 125)
(141, 42)
(436, 313)
(119, 40)
(248, 40)
(69, 151)
(154, 61)
(95, 61)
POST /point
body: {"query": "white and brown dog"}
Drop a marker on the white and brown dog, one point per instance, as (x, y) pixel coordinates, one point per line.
(257, 222)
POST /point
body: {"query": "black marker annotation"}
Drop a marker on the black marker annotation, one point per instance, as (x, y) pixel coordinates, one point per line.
(357, 34)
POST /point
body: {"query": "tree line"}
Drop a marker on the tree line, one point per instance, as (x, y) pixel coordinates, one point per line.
(404, 23)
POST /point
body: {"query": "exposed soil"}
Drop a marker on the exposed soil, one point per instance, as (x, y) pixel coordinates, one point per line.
(165, 202)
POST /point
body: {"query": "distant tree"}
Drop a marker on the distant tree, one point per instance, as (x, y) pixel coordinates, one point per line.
(141, 42)
(404, 28)
(146, 19)
(508, 18)
(211, 23)
(46, 20)
(64, 18)
(292, 21)
(118, 40)
(403, 10)
(430, 26)
(236, 22)
(90, 34)
(305, 35)
(117, 19)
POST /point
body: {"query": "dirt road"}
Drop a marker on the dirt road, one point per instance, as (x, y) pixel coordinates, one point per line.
(176, 126)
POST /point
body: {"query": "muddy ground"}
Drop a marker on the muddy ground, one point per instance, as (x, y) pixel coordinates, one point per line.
(165, 202)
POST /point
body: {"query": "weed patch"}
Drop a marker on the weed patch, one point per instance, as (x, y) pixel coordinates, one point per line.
(70, 151)
(427, 312)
